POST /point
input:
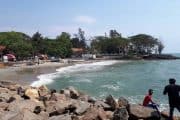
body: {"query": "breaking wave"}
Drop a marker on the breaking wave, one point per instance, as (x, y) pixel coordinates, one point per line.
(45, 79)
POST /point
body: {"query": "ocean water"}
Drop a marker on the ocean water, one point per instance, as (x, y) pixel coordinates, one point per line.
(130, 79)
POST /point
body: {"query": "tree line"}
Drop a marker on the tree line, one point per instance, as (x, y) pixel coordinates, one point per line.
(141, 44)
(24, 46)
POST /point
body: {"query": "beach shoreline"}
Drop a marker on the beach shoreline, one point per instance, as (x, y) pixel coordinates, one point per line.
(25, 75)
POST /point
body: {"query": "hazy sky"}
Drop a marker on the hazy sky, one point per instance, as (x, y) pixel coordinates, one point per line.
(160, 18)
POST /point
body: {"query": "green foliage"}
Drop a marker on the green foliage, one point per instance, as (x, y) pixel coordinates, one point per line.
(160, 47)
(24, 46)
(114, 34)
(140, 44)
(64, 44)
(143, 44)
(110, 45)
(16, 43)
(38, 44)
(79, 41)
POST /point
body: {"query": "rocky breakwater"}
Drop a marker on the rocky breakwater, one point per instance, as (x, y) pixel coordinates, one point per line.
(27, 103)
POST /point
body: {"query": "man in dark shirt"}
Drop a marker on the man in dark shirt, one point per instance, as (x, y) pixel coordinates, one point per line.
(173, 91)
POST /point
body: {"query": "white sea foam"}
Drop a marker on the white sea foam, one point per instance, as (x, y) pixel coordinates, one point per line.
(85, 80)
(49, 78)
(44, 79)
(86, 66)
(112, 87)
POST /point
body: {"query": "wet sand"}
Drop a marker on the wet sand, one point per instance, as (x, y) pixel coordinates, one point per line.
(25, 75)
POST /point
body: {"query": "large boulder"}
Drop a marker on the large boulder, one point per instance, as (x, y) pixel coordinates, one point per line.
(44, 114)
(61, 117)
(4, 90)
(74, 94)
(100, 103)
(122, 102)
(80, 106)
(3, 106)
(165, 116)
(25, 104)
(24, 114)
(120, 114)
(140, 112)
(4, 97)
(32, 93)
(43, 90)
(65, 92)
(84, 97)
(94, 113)
(57, 96)
(10, 85)
(57, 107)
(9, 97)
(111, 101)
(109, 115)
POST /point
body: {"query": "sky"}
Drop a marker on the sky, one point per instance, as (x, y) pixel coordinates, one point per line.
(159, 18)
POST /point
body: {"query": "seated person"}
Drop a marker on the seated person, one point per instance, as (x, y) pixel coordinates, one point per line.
(148, 102)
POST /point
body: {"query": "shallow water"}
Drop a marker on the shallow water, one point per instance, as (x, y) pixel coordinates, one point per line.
(130, 79)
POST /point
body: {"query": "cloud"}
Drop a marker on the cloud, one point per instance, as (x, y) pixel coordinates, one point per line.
(85, 19)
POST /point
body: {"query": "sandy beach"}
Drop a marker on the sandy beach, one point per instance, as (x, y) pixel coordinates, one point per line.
(25, 75)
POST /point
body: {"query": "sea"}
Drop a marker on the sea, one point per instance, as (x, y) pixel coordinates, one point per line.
(129, 79)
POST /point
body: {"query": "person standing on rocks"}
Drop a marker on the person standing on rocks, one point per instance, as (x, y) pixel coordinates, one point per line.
(173, 92)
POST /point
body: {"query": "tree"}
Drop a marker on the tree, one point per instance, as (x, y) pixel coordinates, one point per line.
(82, 38)
(160, 47)
(114, 34)
(16, 43)
(122, 45)
(143, 44)
(64, 45)
(75, 42)
(38, 44)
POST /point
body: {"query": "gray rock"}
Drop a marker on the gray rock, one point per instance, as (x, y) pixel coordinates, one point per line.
(81, 107)
(94, 113)
(57, 107)
(57, 96)
(4, 97)
(122, 102)
(74, 94)
(11, 86)
(100, 103)
(32, 93)
(111, 101)
(84, 97)
(22, 115)
(109, 115)
(3, 106)
(44, 114)
(24, 104)
(43, 90)
(61, 117)
(4, 90)
(141, 112)
(120, 114)
(65, 92)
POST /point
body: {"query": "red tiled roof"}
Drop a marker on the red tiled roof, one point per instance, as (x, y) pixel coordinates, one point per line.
(77, 49)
